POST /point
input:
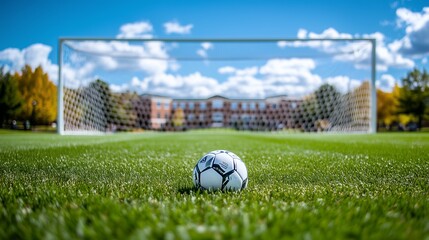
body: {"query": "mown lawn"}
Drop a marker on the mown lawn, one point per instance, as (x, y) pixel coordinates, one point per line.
(137, 186)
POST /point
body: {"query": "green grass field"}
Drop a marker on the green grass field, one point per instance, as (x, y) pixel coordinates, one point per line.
(137, 186)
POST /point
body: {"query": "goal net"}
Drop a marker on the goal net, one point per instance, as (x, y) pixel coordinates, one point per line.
(302, 85)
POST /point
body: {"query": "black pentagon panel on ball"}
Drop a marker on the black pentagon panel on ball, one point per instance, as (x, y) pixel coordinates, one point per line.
(234, 182)
(196, 177)
(244, 184)
(206, 162)
(223, 163)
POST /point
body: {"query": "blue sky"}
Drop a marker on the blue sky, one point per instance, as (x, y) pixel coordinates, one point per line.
(30, 32)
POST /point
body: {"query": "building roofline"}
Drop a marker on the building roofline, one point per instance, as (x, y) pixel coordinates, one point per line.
(154, 95)
(221, 97)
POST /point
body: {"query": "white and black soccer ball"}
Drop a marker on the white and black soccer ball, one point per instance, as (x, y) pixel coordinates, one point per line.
(220, 170)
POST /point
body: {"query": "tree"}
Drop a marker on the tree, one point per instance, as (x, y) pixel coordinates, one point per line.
(317, 112)
(39, 94)
(178, 118)
(327, 98)
(386, 108)
(96, 110)
(414, 95)
(10, 97)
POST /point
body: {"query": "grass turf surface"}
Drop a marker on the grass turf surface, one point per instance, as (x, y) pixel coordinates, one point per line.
(140, 186)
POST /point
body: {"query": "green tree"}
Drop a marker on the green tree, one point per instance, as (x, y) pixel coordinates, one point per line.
(414, 94)
(123, 113)
(317, 111)
(10, 97)
(327, 98)
(96, 105)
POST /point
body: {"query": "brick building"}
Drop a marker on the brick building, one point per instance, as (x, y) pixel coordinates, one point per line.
(248, 114)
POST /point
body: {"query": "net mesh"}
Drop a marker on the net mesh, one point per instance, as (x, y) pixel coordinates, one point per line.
(295, 85)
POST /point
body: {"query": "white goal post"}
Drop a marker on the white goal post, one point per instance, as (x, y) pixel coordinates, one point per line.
(299, 85)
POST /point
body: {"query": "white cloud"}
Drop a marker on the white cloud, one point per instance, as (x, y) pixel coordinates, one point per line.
(207, 45)
(74, 77)
(193, 85)
(142, 85)
(226, 70)
(113, 55)
(292, 77)
(119, 88)
(35, 55)
(357, 52)
(343, 83)
(244, 86)
(175, 27)
(136, 30)
(249, 71)
(326, 46)
(202, 52)
(416, 39)
(386, 82)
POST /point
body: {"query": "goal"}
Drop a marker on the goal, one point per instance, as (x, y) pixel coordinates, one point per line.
(297, 85)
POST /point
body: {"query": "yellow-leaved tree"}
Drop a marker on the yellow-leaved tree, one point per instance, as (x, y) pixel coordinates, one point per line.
(401, 118)
(39, 94)
(386, 108)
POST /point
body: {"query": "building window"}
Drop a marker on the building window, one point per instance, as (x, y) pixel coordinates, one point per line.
(252, 106)
(245, 118)
(234, 106)
(274, 105)
(244, 106)
(261, 105)
(190, 117)
(217, 117)
(166, 105)
(217, 104)
(174, 105)
(158, 104)
(201, 116)
(293, 105)
(158, 115)
(191, 105)
(182, 105)
(166, 115)
(202, 105)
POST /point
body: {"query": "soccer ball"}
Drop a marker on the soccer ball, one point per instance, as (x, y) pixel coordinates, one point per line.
(220, 170)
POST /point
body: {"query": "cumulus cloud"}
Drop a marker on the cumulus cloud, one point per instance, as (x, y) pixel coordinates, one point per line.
(356, 52)
(136, 30)
(35, 55)
(202, 52)
(192, 85)
(74, 77)
(386, 82)
(327, 46)
(343, 83)
(249, 71)
(292, 66)
(175, 27)
(293, 77)
(114, 55)
(416, 39)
